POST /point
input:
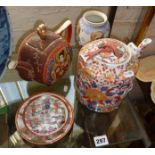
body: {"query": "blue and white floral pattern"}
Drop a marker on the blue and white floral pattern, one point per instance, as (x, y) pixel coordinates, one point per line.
(89, 29)
(5, 39)
(86, 30)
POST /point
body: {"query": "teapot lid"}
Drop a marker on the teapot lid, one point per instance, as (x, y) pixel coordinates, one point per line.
(39, 39)
(109, 51)
(34, 41)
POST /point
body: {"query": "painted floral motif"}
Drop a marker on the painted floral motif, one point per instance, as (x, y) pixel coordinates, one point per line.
(95, 94)
(48, 101)
(86, 31)
(102, 81)
(45, 115)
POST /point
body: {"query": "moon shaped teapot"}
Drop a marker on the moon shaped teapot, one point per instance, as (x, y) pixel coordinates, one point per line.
(105, 72)
(43, 55)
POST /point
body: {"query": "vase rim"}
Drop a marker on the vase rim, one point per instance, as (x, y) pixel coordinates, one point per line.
(97, 13)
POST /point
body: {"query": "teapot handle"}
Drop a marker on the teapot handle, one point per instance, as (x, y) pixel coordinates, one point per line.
(67, 27)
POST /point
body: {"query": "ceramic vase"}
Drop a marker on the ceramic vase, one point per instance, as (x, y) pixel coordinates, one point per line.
(91, 26)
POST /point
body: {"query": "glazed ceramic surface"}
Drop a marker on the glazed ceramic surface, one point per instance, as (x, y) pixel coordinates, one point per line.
(44, 118)
(92, 25)
(44, 56)
(146, 71)
(5, 39)
(105, 73)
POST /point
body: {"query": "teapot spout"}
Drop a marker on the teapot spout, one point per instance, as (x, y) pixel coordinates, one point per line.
(24, 69)
(136, 51)
(144, 43)
(12, 64)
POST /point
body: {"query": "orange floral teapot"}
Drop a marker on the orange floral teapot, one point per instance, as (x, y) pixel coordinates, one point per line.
(44, 56)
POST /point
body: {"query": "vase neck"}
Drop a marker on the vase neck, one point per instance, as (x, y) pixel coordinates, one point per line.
(94, 18)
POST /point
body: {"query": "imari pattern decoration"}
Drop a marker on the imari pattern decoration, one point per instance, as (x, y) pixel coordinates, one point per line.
(44, 118)
(105, 73)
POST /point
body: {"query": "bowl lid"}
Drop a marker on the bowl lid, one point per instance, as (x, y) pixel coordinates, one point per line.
(44, 118)
(106, 51)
